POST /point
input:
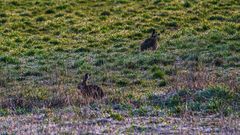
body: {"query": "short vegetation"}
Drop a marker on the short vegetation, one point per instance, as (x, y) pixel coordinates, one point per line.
(46, 46)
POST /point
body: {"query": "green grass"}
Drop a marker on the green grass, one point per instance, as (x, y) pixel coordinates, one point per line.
(209, 101)
(46, 46)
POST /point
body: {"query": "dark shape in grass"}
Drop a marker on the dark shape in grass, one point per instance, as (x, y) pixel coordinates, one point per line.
(121, 1)
(203, 28)
(186, 4)
(3, 82)
(131, 65)
(49, 11)
(218, 62)
(151, 42)
(3, 15)
(62, 7)
(40, 19)
(162, 83)
(14, 3)
(79, 30)
(90, 91)
(118, 45)
(99, 62)
(3, 21)
(157, 1)
(4, 49)
(122, 82)
(60, 49)
(18, 40)
(46, 38)
(217, 17)
(232, 47)
(191, 57)
(54, 42)
(32, 73)
(29, 53)
(17, 103)
(105, 13)
(81, 49)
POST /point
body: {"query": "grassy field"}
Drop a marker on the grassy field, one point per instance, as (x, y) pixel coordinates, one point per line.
(46, 46)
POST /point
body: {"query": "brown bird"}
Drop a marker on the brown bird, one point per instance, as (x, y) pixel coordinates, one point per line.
(150, 42)
(86, 90)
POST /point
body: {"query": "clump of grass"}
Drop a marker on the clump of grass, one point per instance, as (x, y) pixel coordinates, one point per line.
(157, 73)
(3, 15)
(30, 53)
(77, 64)
(40, 19)
(122, 82)
(9, 60)
(62, 7)
(3, 112)
(207, 101)
(162, 83)
(199, 78)
(22, 110)
(139, 112)
(82, 49)
(144, 110)
(14, 3)
(46, 38)
(49, 11)
(217, 17)
(116, 116)
(216, 36)
(105, 13)
(3, 21)
(218, 62)
(186, 4)
(32, 73)
(54, 42)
